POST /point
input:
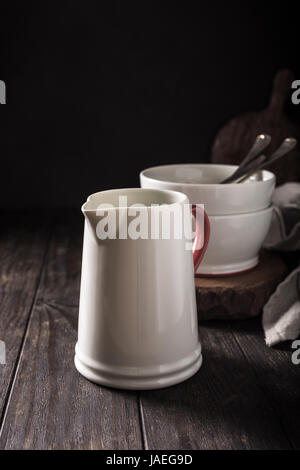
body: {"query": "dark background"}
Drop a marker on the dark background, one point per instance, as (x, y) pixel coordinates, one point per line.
(98, 91)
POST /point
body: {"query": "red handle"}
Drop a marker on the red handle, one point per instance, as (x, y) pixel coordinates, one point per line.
(202, 234)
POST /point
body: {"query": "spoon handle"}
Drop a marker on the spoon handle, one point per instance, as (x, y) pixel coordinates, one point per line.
(261, 142)
(254, 166)
(286, 146)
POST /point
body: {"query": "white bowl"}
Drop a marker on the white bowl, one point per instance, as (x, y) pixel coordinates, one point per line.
(201, 184)
(235, 241)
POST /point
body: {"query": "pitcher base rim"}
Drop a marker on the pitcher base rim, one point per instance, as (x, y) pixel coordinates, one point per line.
(161, 380)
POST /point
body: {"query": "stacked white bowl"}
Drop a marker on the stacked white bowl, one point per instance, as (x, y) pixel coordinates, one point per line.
(239, 214)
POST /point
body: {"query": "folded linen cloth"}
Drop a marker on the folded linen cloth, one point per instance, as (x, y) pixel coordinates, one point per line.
(281, 314)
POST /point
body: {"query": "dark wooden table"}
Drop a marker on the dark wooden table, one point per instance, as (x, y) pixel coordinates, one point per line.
(245, 396)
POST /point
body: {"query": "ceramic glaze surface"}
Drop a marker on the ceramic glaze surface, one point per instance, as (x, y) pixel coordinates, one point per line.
(201, 184)
(137, 315)
(235, 241)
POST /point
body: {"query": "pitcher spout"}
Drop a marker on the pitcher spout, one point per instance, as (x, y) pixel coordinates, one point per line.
(91, 218)
(100, 218)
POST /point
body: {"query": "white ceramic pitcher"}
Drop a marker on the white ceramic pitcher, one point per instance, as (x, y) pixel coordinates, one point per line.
(137, 316)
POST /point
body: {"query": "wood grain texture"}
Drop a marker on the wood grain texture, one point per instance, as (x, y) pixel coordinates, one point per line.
(278, 376)
(233, 142)
(239, 296)
(245, 396)
(221, 407)
(23, 243)
(51, 405)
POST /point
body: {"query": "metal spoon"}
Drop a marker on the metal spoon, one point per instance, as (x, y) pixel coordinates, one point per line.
(287, 145)
(261, 142)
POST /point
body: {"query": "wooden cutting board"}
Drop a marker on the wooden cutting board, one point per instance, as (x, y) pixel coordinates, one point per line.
(235, 139)
(240, 296)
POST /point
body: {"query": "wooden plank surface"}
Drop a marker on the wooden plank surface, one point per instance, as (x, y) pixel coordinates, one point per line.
(278, 376)
(23, 242)
(52, 406)
(245, 396)
(221, 407)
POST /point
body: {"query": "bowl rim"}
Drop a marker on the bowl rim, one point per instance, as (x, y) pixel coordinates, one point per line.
(270, 176)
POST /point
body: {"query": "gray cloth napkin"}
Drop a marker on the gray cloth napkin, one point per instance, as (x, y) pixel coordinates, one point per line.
(281, 314)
